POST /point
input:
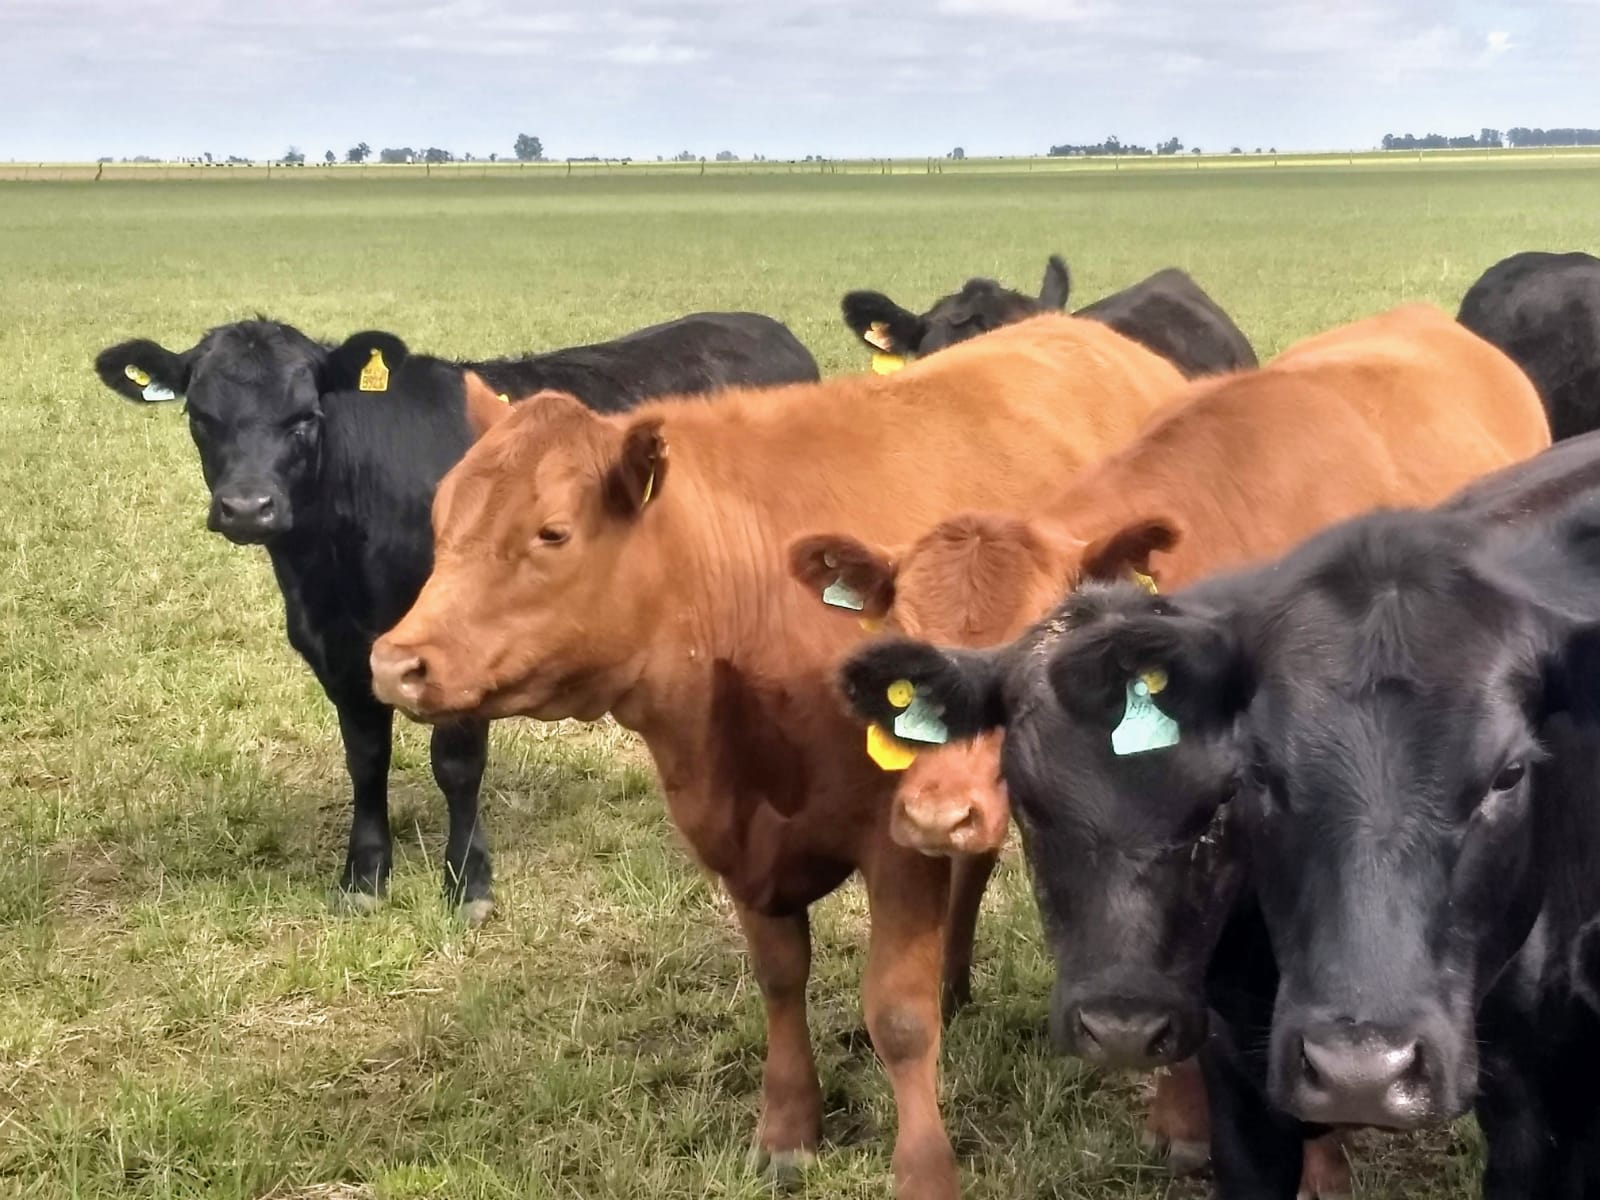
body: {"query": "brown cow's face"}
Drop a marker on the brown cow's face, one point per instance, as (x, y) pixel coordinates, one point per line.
(974, 580)
(537, 602)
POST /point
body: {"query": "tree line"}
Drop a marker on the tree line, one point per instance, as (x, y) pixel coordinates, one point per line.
(1493, 139)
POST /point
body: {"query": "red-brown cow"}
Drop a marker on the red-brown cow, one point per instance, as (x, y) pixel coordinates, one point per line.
(1401, 408)
(580, 570)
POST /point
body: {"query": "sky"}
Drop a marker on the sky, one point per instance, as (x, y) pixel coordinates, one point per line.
(842, 78)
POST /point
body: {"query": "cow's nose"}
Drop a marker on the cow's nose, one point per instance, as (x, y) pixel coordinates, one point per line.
(254, 507)
(399, 674)
(1356, 1076)
(944, 821)
(1115, 1038)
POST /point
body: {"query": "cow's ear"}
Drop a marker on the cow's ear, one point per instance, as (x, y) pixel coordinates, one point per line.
(960, 688)
(1124, 553)
(1193, 665)
(363, 363)
(144, 370)
(1057, 284)
(882, 324)
(845, 573)
(640, 469)
(486, 407)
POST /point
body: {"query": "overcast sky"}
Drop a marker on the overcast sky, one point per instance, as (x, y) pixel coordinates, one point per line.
(835, 77)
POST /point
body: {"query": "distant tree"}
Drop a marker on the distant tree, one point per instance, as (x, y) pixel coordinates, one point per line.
(294, 156)
(494, 158)
(528, 148)
(358, 153)
(1257, 150)
(1235, 150)
(727, 156)
(1196, 150)
(435, 155)
(958, 153)
(329, 158)
(401, 154)
(1170, 146)
(1490, 139)
(683, 156)
(208, 158)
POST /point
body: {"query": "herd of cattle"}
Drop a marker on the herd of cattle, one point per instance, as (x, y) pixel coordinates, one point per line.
(1289, 674)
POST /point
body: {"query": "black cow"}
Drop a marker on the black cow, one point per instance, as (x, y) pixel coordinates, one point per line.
(1392, 914)
(1167, 312)
(329, 456)
(1543, 310)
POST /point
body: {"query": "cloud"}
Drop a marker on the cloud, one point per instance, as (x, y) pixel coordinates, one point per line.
(643, 77)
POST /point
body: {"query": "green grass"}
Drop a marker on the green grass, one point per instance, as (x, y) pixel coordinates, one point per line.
(180, 1015)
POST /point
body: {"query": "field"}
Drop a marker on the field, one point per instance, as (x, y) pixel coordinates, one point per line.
(180, 1013)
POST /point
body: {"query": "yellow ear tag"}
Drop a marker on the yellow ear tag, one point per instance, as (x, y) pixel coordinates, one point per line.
(649, 489)
(138, 374)
(901, 693)
(504, 399)
(887, 364)
(871, 624)
(1155, 680)
(889, 754)
(1148, 585)
(375, 375)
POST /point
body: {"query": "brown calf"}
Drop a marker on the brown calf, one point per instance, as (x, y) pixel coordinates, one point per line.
(1398, 409)
(634, 565)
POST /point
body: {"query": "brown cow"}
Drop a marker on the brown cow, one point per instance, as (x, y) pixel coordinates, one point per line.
(581, 570)
(1401, 408)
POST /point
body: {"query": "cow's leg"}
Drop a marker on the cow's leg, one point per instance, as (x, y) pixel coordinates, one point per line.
(367, 728)
(1325, 1174)
(791, 1098)
(1178, 1124)
(969, 877)
(907, 894)
(459, 752)
(1256, 1152)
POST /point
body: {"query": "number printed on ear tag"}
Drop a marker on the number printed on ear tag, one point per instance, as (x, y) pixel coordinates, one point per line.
(1144, 727)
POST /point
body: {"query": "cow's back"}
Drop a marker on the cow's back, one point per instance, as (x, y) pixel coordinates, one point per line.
(1543, 310)
(1172, 315)
(1451, 404)
(999, 422)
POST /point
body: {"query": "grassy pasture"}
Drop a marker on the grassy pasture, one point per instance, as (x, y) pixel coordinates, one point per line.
(180, 1015)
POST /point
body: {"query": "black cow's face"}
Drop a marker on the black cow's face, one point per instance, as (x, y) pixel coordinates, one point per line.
(1389, 695)
(980, 306)
(254, 394)
(1134, 856)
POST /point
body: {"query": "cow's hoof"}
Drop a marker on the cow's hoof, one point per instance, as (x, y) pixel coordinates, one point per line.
(355, 904)
(786, 1167)
(475, 912)
(1182, 1157)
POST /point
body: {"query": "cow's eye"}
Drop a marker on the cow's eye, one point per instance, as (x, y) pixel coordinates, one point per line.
(554, 535)
(302, 426)
(1510, 775)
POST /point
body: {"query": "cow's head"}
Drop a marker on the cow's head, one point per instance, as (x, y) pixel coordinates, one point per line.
(540, 592)
(254, 393)
(980, 306)
(973, 580)
(1133, 861)
(1388, 687)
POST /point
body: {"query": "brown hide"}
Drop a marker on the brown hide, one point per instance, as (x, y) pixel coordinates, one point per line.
(1399, 409)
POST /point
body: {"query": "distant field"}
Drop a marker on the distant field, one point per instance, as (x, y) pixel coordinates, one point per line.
(181, 1016)
(69, 172)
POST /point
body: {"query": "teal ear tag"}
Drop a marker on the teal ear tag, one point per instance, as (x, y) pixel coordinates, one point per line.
(156, 393)
(920, 723)
(841, 595)
(1144, 727)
